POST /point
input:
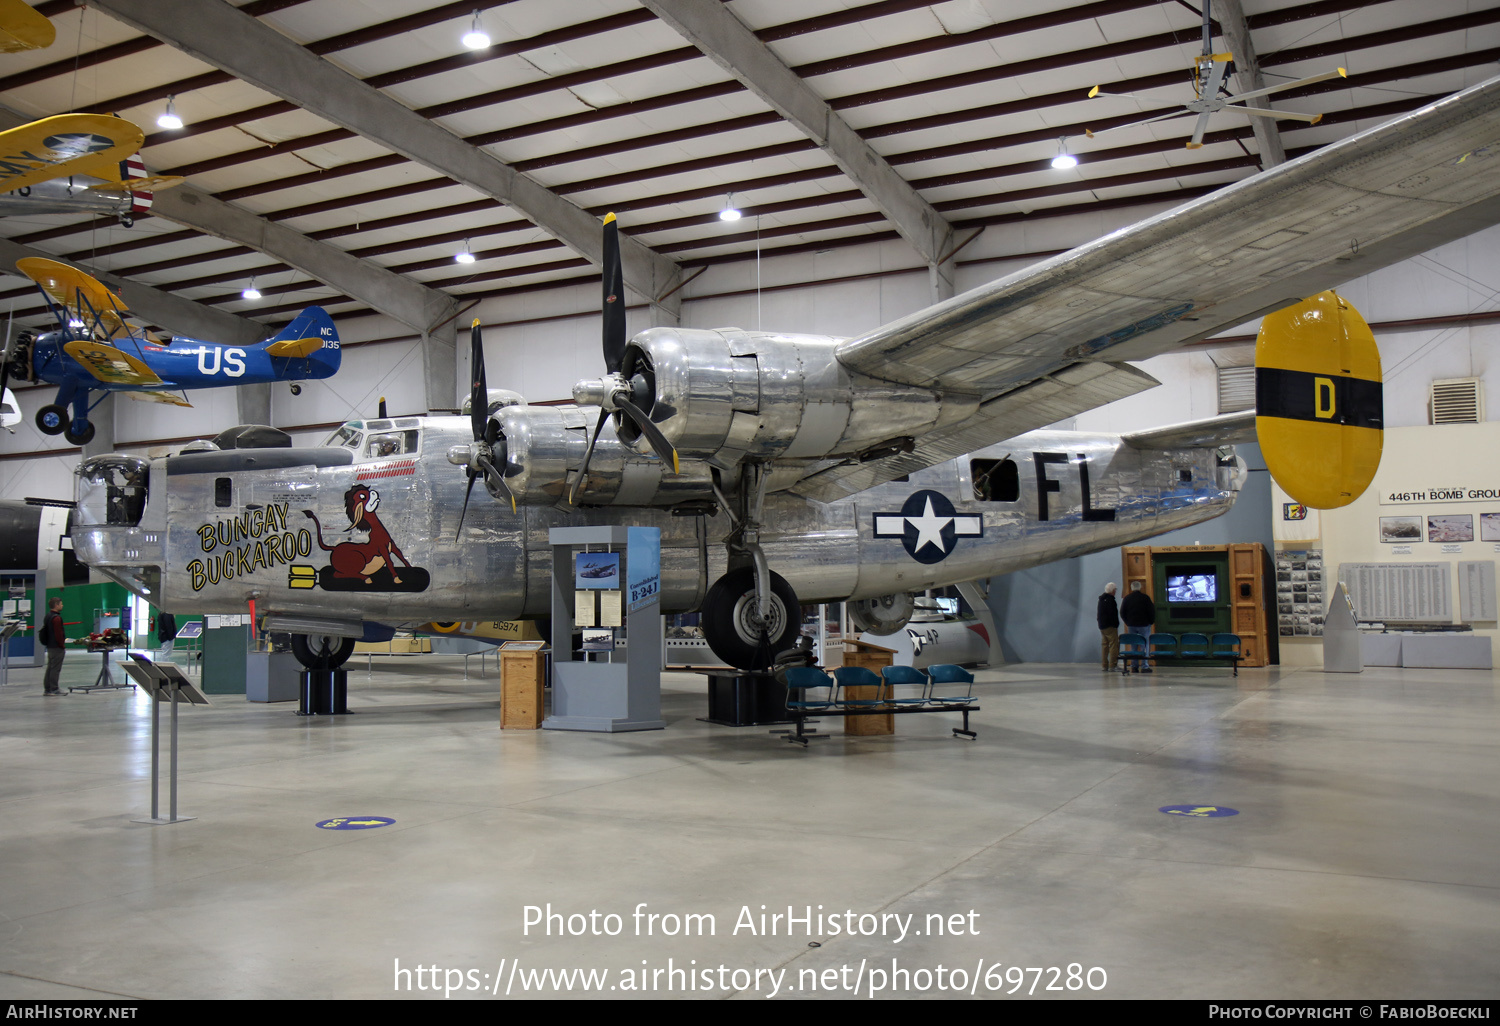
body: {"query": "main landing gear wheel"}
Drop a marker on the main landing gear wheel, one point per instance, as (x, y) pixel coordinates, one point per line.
(729, 620)
(52, 419)
(321, 651)
(83, 437)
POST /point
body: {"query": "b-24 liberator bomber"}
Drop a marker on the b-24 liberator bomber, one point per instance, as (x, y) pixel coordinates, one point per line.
(788, 468)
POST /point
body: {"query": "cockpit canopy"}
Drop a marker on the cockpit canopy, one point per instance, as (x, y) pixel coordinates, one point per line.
(379, 439)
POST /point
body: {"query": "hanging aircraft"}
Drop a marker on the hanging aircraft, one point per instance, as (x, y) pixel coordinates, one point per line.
(77, 163)
(794, 468)
(95, 349)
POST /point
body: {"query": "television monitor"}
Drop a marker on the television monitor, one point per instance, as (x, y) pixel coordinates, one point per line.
(1194, 587)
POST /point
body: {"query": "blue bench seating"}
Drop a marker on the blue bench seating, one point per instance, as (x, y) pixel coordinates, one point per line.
(1137, 649)
(812, 693)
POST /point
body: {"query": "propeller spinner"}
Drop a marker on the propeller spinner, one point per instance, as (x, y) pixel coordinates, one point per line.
(614, 393)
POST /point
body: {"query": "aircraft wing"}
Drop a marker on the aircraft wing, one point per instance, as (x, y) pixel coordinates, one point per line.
(68, 144)
(82, 295)
(1049, 341)
(110, 365)
(160, 396)
(23, 28)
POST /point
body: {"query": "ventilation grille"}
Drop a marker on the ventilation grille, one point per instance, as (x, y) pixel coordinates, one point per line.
(1457, 401)
(1236, 389)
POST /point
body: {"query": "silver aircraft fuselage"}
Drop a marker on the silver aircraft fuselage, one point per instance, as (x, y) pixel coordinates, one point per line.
(70, 195)
(369, 530)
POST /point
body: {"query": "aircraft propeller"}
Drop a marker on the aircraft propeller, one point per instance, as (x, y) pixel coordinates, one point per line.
(478, 457)
(614, 393)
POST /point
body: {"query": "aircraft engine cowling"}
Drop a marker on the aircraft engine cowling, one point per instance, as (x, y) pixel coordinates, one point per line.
(728, 395)
(543, 448)
(884, 614)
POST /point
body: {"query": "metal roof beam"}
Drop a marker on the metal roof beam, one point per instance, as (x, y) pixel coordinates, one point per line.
(410, 302)
(224, 37)
(1247, 76)
(711, 27)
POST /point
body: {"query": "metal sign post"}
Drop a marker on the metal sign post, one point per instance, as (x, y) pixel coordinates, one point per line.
(163, 682)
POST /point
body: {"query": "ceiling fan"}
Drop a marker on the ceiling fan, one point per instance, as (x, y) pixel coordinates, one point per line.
(1208, 71)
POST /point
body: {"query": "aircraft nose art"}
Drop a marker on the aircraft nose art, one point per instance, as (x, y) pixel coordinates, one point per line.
(1319, 409)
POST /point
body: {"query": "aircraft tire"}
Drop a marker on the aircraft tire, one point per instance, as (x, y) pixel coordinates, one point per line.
(52, 419)
(727, 609)
(321, 651)
(83, 437)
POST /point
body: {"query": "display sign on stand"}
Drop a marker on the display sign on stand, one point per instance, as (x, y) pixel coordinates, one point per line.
(596, 688)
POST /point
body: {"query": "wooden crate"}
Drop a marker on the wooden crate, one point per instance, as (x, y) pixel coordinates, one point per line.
(522, 699)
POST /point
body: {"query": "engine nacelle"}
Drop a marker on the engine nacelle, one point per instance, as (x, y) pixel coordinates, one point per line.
(543, 446)
(729, 395)
(884, 614)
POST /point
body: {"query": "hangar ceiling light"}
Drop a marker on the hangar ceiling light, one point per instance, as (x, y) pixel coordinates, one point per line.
(476, 38)
(168, 118)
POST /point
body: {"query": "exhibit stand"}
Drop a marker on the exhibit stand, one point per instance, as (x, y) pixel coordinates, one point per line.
(226, 641)
(1341, 647)
(606, 582)
(6, 633)
(271, 676)
(323, 693)
(24, 593)
(164, 683)
(873, 658)
(523, 675)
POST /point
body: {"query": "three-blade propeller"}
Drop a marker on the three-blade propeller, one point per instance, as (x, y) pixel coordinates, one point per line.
(480, 458)
(615, 393)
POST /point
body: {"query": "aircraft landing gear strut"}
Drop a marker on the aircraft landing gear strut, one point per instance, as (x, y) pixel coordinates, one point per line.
(751, 613)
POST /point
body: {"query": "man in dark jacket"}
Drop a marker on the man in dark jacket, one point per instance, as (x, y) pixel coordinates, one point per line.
(55, 650)
(1109, 629)
(1139, 614)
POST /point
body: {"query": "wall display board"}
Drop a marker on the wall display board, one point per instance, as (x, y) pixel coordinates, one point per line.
(1299, 593)
(1402, 592)
(1476, 590)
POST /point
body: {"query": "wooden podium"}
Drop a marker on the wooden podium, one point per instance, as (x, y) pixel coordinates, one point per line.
(871, 657)
(522, 676)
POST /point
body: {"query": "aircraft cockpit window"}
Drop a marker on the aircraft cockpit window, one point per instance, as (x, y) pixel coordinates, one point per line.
(112, 490)
(390, 443)
(995, 480)
(349, 436)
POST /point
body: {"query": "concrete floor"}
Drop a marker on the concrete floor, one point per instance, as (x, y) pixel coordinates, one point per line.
(1364, 862)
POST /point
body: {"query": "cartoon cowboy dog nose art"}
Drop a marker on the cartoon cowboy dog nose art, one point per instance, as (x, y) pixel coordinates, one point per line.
(358, 566)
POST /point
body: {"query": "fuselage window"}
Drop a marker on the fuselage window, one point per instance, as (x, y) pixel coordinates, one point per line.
(391, 443)
(223, 491)
(995, 480)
